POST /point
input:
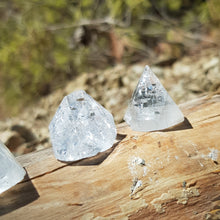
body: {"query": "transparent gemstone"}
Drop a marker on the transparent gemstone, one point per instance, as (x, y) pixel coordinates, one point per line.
(151, 108)
(11, 172)
(81, 128)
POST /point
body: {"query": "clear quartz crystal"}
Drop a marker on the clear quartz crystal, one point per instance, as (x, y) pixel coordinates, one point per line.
(81, 128)
(151, 108)
(11, 171)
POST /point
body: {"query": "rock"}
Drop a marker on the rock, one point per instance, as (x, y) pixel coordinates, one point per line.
(12, 139)
(158, 71)
(213, 62)
(40, 114)
(214, 75)
(194, 87)
(180, 70)
(24, 132)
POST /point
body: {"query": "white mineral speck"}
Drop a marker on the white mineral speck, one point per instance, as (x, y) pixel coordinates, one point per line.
(136, 184)
(213, 154)
(145, 171)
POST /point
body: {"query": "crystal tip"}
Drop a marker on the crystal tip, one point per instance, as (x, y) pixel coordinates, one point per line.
(146, 68)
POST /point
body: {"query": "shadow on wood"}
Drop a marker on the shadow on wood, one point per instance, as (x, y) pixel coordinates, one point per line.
(13, 198)
(99, 158)
(182, 126)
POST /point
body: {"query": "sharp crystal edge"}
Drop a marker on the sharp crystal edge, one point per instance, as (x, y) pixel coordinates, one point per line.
(11, 172)
(151, 108)
(81, 128)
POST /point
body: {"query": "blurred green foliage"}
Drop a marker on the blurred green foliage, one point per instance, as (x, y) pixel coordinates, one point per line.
(39, 50)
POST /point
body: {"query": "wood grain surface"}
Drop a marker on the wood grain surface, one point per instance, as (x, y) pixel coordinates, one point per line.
(169, 174)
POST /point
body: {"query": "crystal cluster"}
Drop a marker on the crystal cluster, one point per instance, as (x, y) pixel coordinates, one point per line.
(81, 128)
(151, 108)
(11, 171)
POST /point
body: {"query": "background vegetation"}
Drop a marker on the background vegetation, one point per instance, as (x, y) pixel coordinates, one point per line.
(44, 43)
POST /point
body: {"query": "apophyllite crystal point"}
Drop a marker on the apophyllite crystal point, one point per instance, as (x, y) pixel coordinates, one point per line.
(11, 172)
(81, 128)
(151, 108)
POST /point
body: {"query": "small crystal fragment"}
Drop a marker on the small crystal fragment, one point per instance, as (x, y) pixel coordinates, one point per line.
(11, 172)
(151, 108)
(213, 154)
(81, 128)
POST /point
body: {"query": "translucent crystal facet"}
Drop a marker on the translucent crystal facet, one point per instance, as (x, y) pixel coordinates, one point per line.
(151, 108)
(81, 128)
(11, 171)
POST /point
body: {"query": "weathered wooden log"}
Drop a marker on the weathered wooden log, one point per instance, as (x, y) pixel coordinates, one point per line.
(171, 174)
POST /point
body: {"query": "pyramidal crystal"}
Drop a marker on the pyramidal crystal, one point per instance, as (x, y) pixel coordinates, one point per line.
(151, 108)
(81, 128)
(11, 171)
